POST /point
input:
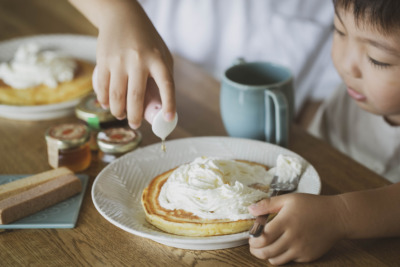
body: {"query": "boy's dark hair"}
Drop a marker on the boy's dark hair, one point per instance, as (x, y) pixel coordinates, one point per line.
(382, 14)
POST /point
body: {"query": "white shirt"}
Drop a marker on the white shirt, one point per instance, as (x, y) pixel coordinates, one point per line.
(364, 136)
(213, 33)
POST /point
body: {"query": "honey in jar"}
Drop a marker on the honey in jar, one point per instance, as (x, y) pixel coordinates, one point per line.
(115, 142)
(68, 145)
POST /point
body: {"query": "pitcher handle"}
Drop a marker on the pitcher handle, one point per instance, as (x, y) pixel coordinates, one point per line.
(238, 61)
(277, 114)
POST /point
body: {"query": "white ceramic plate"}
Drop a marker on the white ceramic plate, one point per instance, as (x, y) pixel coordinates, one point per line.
(77, 46)
(117, 190)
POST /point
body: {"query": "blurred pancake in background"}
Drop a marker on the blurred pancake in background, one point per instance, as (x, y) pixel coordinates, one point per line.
(35, 77)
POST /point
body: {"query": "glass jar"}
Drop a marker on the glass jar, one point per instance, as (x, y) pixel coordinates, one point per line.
(97, 118)
(68, 145)
(115, 142)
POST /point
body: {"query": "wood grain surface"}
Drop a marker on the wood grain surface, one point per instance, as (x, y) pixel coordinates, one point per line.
(95, 241)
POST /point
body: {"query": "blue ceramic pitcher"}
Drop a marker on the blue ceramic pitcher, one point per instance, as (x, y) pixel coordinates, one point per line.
(257, 101)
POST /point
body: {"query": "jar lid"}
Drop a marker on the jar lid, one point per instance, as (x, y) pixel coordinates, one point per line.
(90, 111)
(68, 135)
(118, 140)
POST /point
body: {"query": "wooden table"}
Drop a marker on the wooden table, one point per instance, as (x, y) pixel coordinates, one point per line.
(95, 241)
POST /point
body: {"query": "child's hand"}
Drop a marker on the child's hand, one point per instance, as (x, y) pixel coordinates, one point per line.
(305, 228)
(129, 52)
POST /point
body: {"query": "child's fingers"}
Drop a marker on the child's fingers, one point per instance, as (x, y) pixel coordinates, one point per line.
(165, 82)
(260, 208)
(282, 258)
(267, 238)
(274, 249)
(135, 97)
(265, 206)
(101, 86)
(117, 98)
(273, 231)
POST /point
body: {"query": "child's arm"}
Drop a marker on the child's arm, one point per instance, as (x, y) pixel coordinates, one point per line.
(129, 51)
(307, 226)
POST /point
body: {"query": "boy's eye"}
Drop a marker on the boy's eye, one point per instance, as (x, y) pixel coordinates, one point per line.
(338, 31)
(378, 64)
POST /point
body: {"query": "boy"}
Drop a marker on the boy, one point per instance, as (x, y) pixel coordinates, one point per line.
(366, 53)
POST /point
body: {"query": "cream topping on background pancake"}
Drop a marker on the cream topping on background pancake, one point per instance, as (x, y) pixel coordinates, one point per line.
(31, 67)
(214, 188)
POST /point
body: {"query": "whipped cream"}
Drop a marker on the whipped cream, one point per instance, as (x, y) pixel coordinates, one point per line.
(214, 188)
(287, 168)
(31, 67)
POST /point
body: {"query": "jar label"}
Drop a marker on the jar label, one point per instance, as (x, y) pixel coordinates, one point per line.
(52, 152)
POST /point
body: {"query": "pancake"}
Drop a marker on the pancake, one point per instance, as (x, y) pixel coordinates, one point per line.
(181, 222)
(80, 86)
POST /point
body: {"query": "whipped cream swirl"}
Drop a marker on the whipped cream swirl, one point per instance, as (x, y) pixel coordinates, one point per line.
(287, 168)
(214, 188)
(31, 67)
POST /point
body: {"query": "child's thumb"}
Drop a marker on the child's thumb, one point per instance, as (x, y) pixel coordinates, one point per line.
(265, 206)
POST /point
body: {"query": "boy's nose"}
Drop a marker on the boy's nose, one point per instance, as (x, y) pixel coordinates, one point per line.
(351, 64)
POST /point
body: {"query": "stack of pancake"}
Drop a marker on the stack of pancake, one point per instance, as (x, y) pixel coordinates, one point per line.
(183, 222)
